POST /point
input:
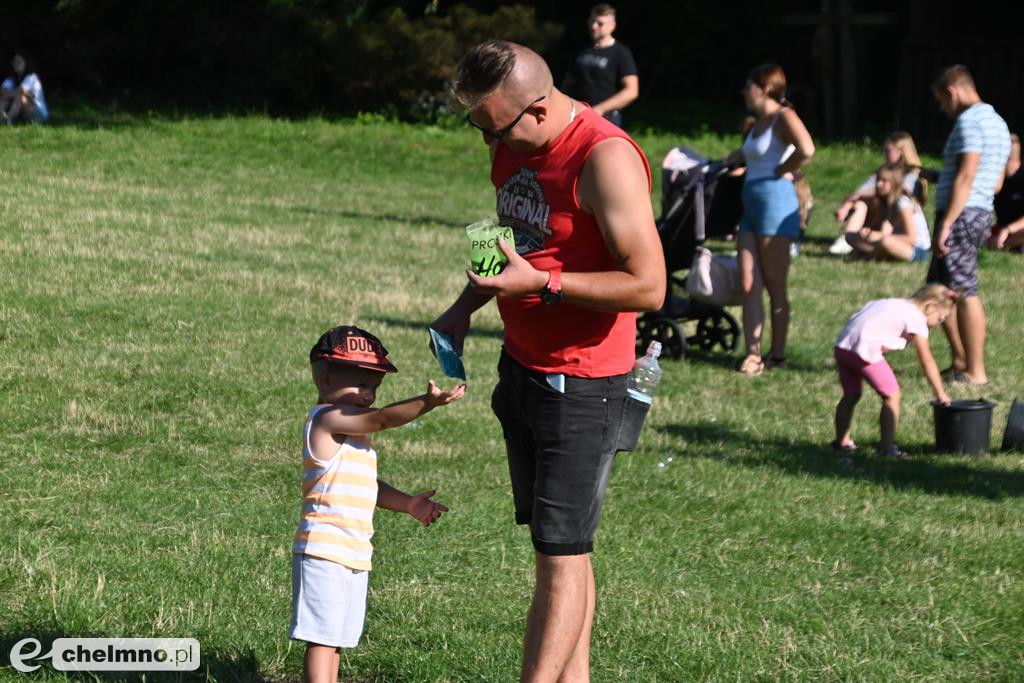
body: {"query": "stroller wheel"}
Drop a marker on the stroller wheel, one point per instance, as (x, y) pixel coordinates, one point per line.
(718, 329)
(662, 329)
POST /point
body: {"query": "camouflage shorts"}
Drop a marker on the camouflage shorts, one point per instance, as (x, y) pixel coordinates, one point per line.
(958, 269)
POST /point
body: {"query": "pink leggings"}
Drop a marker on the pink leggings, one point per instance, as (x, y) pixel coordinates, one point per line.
(853, 369)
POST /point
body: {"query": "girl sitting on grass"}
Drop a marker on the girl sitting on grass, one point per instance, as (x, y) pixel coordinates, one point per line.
(882, 326)
(891, 225)
(898, 147)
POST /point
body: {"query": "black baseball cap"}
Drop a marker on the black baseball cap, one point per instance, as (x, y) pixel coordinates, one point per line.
(350, 345)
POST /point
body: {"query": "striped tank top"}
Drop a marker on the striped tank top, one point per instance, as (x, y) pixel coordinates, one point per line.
(338, 499)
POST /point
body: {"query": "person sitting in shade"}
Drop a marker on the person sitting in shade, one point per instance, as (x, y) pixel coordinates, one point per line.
(1008, 232)
(21, 94)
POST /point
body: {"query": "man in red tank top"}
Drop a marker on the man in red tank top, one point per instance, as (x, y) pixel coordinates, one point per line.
(576, 191)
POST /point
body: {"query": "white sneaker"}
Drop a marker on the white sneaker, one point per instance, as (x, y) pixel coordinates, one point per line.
(840, 246)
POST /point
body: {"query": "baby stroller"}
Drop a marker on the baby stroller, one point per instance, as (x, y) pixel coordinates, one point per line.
(700, 199)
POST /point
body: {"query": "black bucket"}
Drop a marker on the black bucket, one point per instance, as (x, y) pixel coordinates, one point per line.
(1013, 437)
(963, 426)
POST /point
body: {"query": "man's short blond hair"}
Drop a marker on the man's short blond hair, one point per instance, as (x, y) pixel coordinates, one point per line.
(958, 76)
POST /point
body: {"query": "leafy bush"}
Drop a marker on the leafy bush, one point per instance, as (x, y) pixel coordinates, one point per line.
(413, 58)
(281, 56)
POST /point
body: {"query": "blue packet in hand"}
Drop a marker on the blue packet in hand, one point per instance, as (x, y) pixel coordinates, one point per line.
(447, 357)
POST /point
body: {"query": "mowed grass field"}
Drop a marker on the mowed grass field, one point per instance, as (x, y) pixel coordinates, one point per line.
(161, 282)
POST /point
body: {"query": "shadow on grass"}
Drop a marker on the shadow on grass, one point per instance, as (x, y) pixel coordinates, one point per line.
(422, 325)
(394, 217)
(728, 362)
(96, 120)
(732, 362)
(722, 360)
(922, 473)
(82, 114)
(816, 246)
(215, 664)
(820, 240)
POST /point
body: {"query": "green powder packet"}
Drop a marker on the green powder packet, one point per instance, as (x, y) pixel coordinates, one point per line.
(485, 257)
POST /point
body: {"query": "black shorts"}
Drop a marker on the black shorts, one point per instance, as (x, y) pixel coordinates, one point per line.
(560, 451)
(958, 269)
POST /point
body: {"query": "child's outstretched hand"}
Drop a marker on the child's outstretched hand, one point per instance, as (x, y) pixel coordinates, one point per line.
(438, 397)
(424, 509)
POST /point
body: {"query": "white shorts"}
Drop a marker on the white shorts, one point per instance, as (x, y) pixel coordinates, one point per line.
(328, 602)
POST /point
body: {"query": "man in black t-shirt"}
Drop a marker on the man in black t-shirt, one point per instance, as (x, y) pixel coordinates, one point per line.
(604, 75)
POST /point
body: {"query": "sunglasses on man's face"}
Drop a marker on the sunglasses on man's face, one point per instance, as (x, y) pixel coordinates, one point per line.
(499, 134)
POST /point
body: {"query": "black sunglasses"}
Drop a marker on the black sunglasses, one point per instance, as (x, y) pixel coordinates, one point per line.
(499, 134)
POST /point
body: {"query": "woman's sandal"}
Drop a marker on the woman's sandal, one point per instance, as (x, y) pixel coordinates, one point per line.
(771, 362)
(751, 366)
(843, 448)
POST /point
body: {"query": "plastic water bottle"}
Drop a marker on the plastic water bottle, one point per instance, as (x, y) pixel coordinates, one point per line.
(646, 374)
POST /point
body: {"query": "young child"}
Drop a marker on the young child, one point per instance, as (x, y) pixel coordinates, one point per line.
(890, 226)
(331, 551)
(882, 326)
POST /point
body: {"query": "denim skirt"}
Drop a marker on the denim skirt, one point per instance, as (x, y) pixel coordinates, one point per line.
(770, 207)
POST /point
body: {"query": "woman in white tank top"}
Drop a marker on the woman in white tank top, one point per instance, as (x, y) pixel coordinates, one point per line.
(776, 147)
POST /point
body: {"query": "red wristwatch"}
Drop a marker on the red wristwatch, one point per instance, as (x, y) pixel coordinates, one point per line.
(552, 291)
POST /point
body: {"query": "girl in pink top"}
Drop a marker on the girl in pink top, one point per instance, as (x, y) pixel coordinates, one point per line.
(882, 326)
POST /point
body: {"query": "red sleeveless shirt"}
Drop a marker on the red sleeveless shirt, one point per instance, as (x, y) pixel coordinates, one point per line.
(537, 197)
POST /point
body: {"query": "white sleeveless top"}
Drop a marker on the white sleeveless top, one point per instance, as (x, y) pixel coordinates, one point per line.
(922, 239)
(338, 499)
(764, 152)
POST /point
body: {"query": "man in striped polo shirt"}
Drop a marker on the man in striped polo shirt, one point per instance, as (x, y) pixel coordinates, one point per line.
(974, 159)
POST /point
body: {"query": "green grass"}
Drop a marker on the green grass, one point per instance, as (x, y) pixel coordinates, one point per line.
(161, 282)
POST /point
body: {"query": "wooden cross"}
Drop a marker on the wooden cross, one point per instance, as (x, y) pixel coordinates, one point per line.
(838, 17)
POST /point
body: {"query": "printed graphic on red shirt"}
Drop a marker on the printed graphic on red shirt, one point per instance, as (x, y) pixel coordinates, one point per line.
(522, 207)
